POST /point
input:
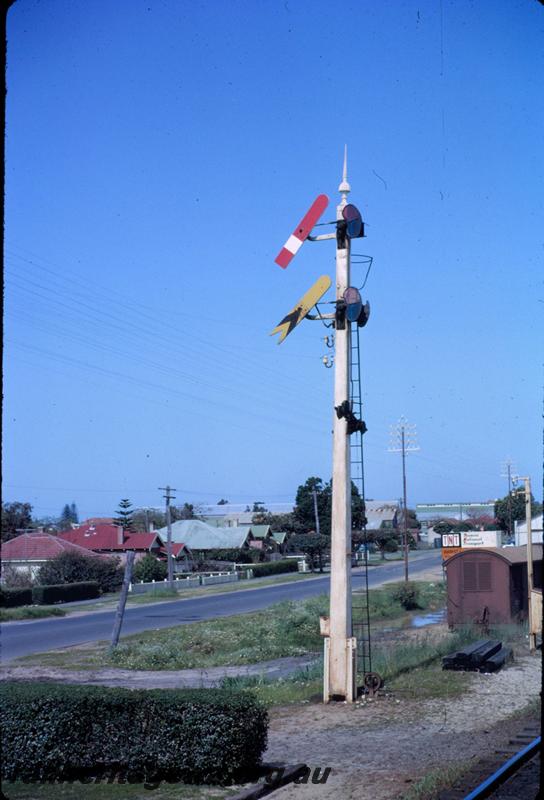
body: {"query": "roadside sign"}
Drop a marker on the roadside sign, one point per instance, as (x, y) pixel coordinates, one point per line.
(448, 552)
(451, 540)
(480, 539)
(302, 231)
(451, 544)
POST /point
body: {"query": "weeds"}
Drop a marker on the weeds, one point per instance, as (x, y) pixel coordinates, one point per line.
(386, 602)
(29, 612)
(302, 685)
(436, 780)
(391, 660)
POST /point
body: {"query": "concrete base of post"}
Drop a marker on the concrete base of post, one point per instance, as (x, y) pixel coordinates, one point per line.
(349, 694)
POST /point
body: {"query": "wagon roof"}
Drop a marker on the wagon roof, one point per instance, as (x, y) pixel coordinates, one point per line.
(513, 555)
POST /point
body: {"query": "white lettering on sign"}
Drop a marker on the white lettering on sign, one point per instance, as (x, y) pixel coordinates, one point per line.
(451, 540)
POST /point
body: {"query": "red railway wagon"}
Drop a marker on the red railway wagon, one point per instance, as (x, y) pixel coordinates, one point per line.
(490, 585)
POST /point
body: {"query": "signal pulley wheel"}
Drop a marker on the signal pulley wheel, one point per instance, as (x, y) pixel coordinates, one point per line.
(373, 682)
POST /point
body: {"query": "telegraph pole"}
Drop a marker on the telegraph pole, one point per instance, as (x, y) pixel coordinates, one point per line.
(507, 473)
(528, 522)
(169, 496)
(340, 660)
(403, 441)
(316, 513)
(120, 613)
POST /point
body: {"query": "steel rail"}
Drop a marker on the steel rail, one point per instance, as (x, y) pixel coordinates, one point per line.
(504, 772)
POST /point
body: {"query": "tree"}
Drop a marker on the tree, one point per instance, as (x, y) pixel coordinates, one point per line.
(124, 516)
(282, 522)
(144, 517)
(16, 579)
(186, 511)
(482, 521)
(304, 505)
(65, 519)
(312, 545)
(71, 567)
(462, 526)
(149, 569)
(385, 539)
(412, 522)
(222, 502)
(513, 504)
(68, 516)
(358, 518)
(442, 527)
(15, 517)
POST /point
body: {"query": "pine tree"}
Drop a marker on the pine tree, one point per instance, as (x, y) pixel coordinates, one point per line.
(73, 513)
(65, 519)
(124, 515)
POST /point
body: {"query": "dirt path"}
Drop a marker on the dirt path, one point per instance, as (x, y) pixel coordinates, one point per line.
(378, 747)
(160, 679)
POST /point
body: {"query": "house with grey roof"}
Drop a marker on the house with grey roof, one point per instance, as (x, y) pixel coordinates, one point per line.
(198, 535)
(280, 537)
(520, 532)
(231, 520)
(382, 514)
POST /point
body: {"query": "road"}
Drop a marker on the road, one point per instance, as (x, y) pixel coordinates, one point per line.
(23, 638)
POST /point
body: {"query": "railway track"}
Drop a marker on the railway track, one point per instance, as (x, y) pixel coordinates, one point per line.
(511, 773)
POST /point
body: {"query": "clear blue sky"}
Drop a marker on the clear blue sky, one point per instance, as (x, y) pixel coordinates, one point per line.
(158, 156)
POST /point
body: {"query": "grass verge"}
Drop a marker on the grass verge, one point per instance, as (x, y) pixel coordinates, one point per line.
(384, 605)
(411, 671)
(108, 602)
(435, 781)
(30, 612)
(285, 629)
(105, 791)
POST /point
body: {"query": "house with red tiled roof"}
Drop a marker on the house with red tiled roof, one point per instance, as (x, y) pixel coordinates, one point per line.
(113, 540)
(29, 551)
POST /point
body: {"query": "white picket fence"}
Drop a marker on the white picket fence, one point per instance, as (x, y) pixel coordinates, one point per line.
(191, 582)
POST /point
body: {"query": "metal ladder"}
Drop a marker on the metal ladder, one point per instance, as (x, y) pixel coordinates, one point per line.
(360, 613)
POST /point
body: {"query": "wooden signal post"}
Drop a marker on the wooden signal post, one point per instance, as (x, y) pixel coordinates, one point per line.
(340, 671)
(340, 646)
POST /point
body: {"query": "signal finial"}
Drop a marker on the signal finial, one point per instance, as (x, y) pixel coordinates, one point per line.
(344, 187)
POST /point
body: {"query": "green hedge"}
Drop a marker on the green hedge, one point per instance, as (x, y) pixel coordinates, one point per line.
(235, 555)
(65, 592)
(9, 598)
(53, 731)
(274, 567)
(72, 567)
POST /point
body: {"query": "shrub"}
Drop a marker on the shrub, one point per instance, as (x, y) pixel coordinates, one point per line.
(407, 594)
(391, 546)
(78, 567)
(51, 731)
(235, 555)
(65, 592)
(149, 568)
(15, 578)
(274, 568)
(9, 598)
(30, 612)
